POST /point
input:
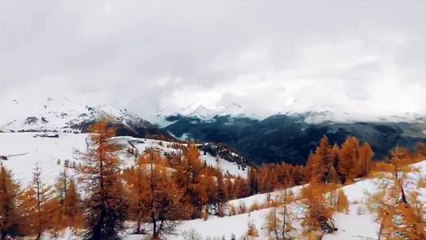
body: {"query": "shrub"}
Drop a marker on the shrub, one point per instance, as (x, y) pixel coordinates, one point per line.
(252, 230)
(254, 207)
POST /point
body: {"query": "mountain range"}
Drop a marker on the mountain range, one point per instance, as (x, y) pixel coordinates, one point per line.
(288, 137)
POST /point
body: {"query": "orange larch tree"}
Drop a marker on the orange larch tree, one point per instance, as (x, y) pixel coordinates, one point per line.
(253, 181)
(9, 211)
(34, 203)
(348, 159)
(163, 199)
(73, 208)
(319, 214)
(365, 159)
(321, 164)
(100, 176)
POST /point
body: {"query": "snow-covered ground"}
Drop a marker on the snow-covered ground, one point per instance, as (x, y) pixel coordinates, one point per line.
(357, 224)
(24, 151)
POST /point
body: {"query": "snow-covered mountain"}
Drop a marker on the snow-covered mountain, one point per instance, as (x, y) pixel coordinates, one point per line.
(313, 114)
(61, 115)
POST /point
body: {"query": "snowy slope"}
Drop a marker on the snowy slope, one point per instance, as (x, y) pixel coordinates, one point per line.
(358, 224)
(25, 150)
(60, 115)
(44, 151)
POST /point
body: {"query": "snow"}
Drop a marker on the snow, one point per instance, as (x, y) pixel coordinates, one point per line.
(311, 113)
(225, 226)
(263, 197)
(354, 226)
(58, 115)
(225, 166)
(44, 151)
(357, 224)
(25, 151)
(357, 192)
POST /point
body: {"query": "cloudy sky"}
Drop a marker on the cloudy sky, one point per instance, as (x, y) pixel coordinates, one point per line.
(364, 57)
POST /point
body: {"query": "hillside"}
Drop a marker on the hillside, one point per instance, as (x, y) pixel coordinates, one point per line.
(25, 150)
(291, 138)
(358, 224)
(65, 115)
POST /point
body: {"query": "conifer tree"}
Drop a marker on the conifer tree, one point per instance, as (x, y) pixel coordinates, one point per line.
(400, 214)
(321, 164)
(348, 159)
(253, 181)
(9, 211)
(55, 205)
(298, 175)
(229, 189)
(319, 215)
(188, 178)
(34, 204)
(334, 160)
(221, 194)
(398, 219)
(73, 206)
(138, 182)
(163, 199)
(241, 188)
(268, 179)
(365, 159)
(278, 222)
(100, 176)
(342, 202)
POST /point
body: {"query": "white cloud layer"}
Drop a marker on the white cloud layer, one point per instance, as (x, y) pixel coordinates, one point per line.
(367, 58)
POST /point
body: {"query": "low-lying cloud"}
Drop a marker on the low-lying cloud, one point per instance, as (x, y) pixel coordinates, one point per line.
(365, 58)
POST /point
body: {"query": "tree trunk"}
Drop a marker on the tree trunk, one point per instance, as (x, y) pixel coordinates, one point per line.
(154, 222)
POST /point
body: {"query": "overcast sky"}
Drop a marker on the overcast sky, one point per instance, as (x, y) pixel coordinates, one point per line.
(366, 57)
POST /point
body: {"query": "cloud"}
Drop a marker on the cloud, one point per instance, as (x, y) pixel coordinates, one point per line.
(367, 58)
